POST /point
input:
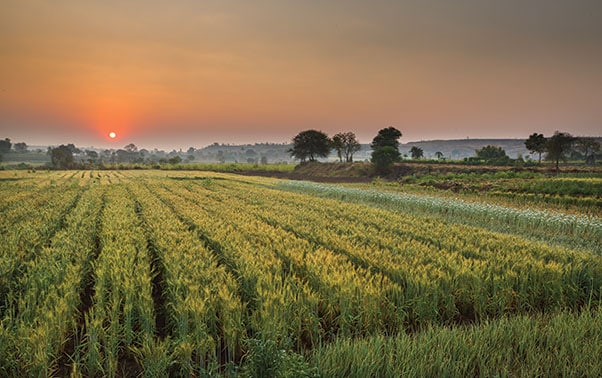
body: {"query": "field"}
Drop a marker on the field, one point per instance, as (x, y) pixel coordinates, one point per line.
(187, 273)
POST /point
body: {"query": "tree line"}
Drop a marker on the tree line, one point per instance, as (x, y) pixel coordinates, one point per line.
(309, 145)
(560, 145)
(312, 144)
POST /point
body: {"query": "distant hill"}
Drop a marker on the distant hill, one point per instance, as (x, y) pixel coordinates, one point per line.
(457, 149)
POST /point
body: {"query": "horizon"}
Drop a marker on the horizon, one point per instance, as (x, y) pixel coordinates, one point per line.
(165, 74)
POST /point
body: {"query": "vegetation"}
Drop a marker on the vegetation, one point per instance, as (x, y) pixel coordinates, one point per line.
(416, 152)
(346, 144)
(310, 144)
(193, 274)
(558, 146)
(492, 155)
(536, 144)
(385, 149)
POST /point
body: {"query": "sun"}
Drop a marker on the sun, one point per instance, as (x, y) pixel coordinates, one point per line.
(112, 135)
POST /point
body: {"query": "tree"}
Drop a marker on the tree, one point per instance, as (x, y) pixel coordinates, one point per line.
(131, 148)
(492, 154)
(439, 155)
(385, 149)
(536, 144)
(174, 160)
(92, 156)
(383, 158)
(310, 144)
(346, 144)
(20, 147)
(589, 147)
(5, 146)
(61, 157)
(558, 146)
(386, 137)
(416, 152)
(73, 149)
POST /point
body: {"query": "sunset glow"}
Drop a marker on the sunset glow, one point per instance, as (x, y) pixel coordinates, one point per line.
(192, 73)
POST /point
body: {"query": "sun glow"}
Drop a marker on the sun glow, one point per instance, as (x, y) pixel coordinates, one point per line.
(112, 135)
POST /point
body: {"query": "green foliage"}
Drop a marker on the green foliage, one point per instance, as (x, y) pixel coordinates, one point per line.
(387, 137)
(309, 145)
(265, 359)
(589, 147)
(536, 144)
(543, 346)
(416, 152)
(383, 159)
(5, 146)
(346, 144)
(62, 157)
(20, 147)
(558, 146)
(493, 155)
(136, 274)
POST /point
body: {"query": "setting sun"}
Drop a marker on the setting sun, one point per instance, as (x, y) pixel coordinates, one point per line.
(112, 135)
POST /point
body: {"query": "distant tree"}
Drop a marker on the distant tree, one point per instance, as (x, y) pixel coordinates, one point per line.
(558, 146)
(416, 152)
(73, 149)
(174, 160)
(131, 148)
(439, 155)
(492, 154)
(190, 150)
(309, 145)
(385, 149)
(190, 158)
(383, 158)
(264, 160)
(346, 144)
(5, 146)
(20, 147)
(588, 147)
(536, 144)
(388, 137)
(61, 157)
(92, 156)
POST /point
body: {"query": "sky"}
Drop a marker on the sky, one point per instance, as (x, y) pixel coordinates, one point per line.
(176, 74)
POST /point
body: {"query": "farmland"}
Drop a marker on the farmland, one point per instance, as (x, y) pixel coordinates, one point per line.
(122, 273)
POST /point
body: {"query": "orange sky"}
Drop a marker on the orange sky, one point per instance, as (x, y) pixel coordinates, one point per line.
(189, 73)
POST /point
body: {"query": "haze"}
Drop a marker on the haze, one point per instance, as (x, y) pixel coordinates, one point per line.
(189, 73)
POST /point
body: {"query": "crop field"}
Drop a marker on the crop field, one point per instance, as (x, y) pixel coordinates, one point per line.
(184, 273)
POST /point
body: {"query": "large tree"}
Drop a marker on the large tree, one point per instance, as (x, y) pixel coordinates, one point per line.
(558, 146)
(62, 157)
(385, 149)
(346, 144)
(536, 144)
(386, 137)
(383, 158)
(309, 145)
